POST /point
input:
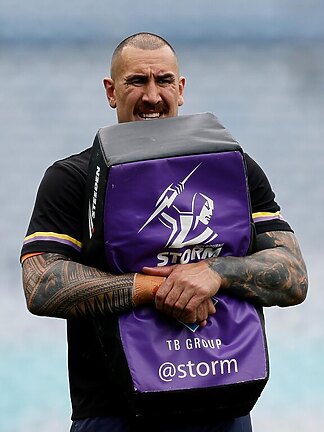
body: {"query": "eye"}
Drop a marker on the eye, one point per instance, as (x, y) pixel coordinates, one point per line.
(166, 80)
(136, 81)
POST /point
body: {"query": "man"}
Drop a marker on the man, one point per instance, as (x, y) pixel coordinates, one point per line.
(145, 85)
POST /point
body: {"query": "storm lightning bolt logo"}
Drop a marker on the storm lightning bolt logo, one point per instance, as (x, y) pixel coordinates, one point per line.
(188, 227)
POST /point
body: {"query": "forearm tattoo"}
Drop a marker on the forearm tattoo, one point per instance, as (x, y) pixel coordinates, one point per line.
(55, 286)
(274, 275)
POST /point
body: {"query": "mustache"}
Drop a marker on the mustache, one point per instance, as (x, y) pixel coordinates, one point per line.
(146, 106)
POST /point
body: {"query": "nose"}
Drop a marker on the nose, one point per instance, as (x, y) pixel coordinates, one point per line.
(151, 93)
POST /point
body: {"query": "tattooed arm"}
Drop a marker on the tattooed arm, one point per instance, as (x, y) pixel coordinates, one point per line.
(58, 287)
(274, 275)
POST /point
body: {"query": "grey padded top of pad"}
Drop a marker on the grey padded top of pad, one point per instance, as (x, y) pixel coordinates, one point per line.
(154, 139)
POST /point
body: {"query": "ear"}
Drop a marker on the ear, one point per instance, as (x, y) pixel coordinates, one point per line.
(110, 91)
(182, 82)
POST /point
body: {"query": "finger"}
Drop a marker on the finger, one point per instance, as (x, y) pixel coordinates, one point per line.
(181, 300)
(177, 305)
(172, 299)
(211, 307)
(193, 313)
(211, 310)
(158, 271)
(202, 323)
(202, 311)
(162, 293)
(172, 296)
(172, 304)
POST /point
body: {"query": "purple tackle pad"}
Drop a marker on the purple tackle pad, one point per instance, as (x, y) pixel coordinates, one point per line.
(167, 192)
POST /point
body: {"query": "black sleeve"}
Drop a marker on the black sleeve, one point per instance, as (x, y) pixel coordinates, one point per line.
(266, 212)
(56, 222)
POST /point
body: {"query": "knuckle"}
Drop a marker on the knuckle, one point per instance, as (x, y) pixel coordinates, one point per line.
(189, 318)
(177, 308)
(158, 296)
(190, 309)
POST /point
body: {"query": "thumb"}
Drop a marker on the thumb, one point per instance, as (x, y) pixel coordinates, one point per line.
(158, 271)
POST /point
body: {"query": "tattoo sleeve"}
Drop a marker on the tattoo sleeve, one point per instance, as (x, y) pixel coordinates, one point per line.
(58, 287)
(274, 275)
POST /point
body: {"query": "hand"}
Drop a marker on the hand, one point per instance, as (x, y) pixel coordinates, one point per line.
(187, 291)
(205, 309)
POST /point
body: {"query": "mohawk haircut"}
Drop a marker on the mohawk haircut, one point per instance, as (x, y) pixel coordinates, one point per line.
(144, 41)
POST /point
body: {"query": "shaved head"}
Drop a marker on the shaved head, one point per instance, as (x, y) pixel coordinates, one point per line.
(144, 41)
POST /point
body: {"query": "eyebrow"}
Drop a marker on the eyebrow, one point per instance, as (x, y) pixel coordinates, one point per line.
(141, 76)
(167, 75)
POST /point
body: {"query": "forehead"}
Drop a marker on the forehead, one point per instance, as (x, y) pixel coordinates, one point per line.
(134, 60)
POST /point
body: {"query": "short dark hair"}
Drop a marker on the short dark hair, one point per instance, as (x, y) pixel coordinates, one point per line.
(142, 40)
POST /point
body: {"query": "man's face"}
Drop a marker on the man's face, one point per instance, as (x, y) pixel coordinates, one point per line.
(206, 212)
(145, 84)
